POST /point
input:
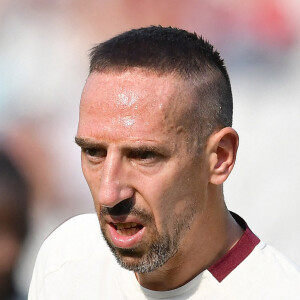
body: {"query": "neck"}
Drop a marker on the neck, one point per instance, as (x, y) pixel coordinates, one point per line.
(213, 233)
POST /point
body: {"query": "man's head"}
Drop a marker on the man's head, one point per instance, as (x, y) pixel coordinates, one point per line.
(178, 52)
(153, 98)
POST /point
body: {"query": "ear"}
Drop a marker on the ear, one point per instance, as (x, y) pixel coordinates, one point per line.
(222, 148)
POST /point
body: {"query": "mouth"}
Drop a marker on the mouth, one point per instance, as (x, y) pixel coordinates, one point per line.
(126, 235)
(127, 229)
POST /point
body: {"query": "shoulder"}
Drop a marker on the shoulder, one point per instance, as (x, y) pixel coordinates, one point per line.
(268, 274)
(75, 230)
(279, 273)
(73, 262)
(87, 223)
(277, 263)
(76, 239)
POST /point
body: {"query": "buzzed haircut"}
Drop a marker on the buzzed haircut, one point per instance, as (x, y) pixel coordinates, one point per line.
(167, 50)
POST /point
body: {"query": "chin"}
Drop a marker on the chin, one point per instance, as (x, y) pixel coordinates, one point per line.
(144, 259)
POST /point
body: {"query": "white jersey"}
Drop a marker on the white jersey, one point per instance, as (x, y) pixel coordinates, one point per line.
(75, 263)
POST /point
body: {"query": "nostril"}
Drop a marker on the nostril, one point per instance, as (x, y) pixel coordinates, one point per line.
(122, 208)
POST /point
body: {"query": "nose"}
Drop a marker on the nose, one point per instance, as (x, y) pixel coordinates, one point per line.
(114, 186)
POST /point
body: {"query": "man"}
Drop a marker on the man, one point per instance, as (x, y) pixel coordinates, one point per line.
(157, 145)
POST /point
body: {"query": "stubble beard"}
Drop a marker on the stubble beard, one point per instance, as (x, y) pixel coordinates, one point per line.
(162, 247)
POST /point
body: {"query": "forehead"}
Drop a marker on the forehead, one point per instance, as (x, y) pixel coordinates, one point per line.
(128, 91)
(131, 103)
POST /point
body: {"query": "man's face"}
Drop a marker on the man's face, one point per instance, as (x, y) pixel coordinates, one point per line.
(147, 179)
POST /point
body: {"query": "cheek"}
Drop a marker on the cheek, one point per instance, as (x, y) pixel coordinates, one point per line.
(164, 196)
(174, 194)
(92, 178)
(85, 170)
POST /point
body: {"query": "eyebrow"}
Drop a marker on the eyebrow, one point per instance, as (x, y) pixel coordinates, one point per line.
(85, 143)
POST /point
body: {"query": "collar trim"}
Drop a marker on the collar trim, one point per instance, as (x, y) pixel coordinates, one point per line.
(225, 265)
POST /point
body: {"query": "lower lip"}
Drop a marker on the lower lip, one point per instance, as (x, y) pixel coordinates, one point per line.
(124, 241)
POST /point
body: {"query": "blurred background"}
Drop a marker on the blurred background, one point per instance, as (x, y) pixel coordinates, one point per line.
(43, 66)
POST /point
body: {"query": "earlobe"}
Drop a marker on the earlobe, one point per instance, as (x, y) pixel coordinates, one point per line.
(223, 149)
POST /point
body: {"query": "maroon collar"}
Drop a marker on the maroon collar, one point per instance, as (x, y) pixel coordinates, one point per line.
(225, 265)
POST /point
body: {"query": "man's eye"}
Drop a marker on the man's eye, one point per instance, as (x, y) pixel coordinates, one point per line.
(94, 152)
(143, 155)
(148, 155)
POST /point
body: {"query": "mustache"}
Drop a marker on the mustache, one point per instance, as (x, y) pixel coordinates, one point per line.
(124, 208)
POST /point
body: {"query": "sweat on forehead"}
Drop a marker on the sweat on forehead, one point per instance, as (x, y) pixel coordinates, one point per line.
(134, 99)
(134, 90)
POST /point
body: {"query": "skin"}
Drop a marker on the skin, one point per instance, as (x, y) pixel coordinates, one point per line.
(134, 131)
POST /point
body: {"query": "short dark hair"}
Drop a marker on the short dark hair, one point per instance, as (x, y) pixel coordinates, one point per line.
(172, 50)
